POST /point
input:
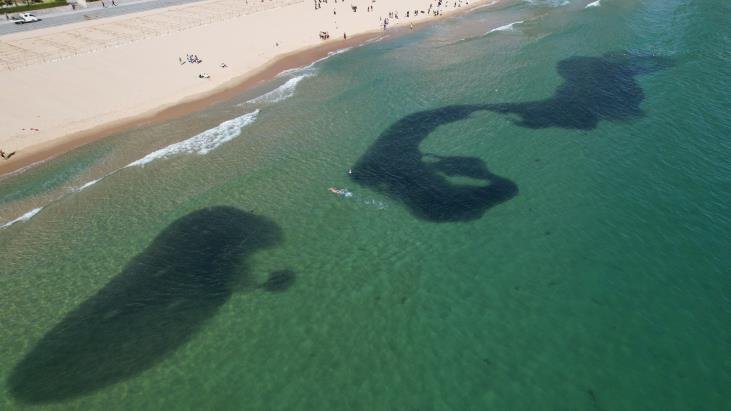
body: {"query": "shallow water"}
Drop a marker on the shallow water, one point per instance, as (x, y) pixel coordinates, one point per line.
(539, 219)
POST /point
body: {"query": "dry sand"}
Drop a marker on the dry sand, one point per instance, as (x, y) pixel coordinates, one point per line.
(68, 85)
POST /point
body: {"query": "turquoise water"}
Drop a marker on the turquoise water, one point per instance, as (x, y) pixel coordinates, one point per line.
(535, 218)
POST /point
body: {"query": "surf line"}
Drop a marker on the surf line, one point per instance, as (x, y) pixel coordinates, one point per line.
(288, 88)
(200, 144)
(507, 27)
(280, 93)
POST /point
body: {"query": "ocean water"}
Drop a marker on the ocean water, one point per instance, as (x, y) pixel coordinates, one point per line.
(531, 211)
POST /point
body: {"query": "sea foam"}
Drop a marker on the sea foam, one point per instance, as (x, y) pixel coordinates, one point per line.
(287, 89)
(492, 3)
(87, 185)
(280, 93)
(25, 217)
(202, 143)
(507, 27)
(549, 3)
(308, 68)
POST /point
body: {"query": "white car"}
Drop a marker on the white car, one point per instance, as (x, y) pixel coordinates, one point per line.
(23, 18)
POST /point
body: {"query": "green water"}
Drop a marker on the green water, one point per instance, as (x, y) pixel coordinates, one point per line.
(594, 274)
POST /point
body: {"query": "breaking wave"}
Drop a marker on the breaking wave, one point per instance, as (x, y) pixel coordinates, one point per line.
(287, 89)
(280, 93)
(87, 185)
(549, 3)
(507, 27)
(310, 66)
(25, 217)
(202, 143)
(492, 3)
(596, 3)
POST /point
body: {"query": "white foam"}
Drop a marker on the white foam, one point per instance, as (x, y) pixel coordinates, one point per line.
(596, 3)
(484, 5)
(287, 89)
(202, 143)
(333, 53)
(25, 217)
(372, 41)
(310, 66)
(343, 192)
(280, 93)
(549, 3)
(22, 169)
(87, 185)
(507, 27)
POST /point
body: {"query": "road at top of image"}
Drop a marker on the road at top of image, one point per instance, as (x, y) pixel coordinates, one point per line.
(65, 15)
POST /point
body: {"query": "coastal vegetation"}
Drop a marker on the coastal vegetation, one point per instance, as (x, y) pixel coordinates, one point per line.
(30, 5)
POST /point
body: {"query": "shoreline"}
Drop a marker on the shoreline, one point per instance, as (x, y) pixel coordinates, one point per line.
(52, 148)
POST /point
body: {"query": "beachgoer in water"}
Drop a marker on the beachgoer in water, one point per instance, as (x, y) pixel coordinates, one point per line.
(340, 191)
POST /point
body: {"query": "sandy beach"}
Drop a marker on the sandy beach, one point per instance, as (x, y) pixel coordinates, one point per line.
(69, 85)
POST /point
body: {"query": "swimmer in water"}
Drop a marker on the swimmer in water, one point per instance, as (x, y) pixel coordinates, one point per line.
(350, 171)
(340, 191)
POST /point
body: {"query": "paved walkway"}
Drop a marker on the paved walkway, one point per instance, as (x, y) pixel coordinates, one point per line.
(34, 49)
(64, 15)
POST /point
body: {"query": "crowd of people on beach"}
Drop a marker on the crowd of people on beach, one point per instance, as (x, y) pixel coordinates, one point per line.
(194, 59)
(190, 58)
(434, 10)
